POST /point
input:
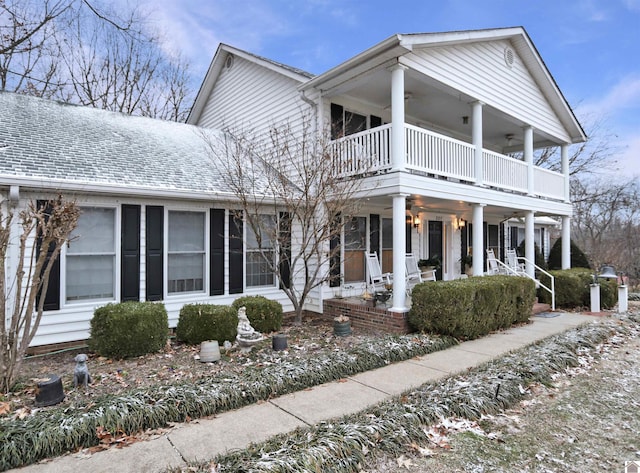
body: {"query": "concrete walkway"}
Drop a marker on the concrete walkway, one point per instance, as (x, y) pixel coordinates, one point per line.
(202, 439)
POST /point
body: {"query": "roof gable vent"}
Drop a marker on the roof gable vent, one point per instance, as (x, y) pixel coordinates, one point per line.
(509, 56)
(228, 63)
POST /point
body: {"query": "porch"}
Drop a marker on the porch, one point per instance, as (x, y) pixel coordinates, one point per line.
(435, 155)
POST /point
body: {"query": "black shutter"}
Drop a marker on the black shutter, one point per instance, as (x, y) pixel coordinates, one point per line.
(216, 252)
(374, 121)
(337, 121)
(374, 234)
(236, 253)
(130, 256)
(334, 251)
(513, 243)
(464, 245)
(154, 252)
(284, 232)
(409, 226)
(52, 297)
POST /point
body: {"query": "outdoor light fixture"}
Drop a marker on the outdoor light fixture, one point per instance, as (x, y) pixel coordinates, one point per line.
(416, 221)
(461, 222)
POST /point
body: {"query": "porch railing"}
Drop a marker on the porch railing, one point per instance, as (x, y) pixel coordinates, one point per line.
(438, 155)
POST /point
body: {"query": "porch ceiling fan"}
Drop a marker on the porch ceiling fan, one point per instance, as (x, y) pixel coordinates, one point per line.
(409, 97)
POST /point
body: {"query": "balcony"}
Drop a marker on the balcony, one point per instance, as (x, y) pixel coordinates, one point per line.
(435, 155)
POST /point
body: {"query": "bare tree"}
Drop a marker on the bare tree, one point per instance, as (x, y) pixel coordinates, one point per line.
(606, 222)
(291, 198)
(21, 293)
(85, 52)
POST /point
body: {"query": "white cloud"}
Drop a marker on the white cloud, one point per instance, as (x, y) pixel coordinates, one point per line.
(624, 95)
(629, 162)
(633, 5)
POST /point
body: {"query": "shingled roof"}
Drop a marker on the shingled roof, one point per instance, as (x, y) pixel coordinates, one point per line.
(50, 144)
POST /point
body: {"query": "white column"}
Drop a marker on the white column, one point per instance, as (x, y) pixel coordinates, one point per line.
(564, 157)
(476, 139)
(528, 157)
(566, 242)
(398, 151)
(529, 243)
(478, 239)
(399, 252)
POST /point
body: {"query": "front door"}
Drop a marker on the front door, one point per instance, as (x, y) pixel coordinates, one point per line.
(435, 244)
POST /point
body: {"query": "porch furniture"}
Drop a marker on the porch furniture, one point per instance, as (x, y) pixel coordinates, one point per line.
(494, 265)
(414, 274)
(514, 263)
(379, 282)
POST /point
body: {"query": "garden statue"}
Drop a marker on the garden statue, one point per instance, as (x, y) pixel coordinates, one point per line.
(247, 335)
(81, 372)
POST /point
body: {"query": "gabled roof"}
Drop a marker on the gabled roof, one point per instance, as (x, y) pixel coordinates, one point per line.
(52, 145)
(401, 44)
(217, 63)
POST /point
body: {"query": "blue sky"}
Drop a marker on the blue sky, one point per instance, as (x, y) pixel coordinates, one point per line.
(591, 47)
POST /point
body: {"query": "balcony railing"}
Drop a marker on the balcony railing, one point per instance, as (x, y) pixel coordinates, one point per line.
(369, 152)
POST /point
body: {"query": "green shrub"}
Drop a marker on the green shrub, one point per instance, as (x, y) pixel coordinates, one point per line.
(573, 289)
(578, 258)
(200, 322)
(470, 308)
(265, 315)
(129, 329)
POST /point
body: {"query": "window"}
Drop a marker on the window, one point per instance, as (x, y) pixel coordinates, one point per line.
(261, 253)
(91, 255)
(186, 252)
(355, 245)
(346, 122)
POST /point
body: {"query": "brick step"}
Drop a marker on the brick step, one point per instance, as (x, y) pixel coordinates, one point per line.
(539, 307)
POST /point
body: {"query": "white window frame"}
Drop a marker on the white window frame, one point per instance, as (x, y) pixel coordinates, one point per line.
(256, 251)
(204, 252)
(64, 254)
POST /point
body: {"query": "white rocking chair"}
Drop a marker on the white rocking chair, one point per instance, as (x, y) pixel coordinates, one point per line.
(378, 281)
(414, 274)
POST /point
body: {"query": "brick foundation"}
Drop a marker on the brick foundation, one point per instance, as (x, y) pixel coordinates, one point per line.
(365, 316)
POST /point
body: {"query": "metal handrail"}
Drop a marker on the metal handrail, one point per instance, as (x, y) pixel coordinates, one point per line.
(510, 271)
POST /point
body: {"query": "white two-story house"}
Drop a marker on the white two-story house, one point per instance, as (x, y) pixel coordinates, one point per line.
(435, 117)
(449, 123)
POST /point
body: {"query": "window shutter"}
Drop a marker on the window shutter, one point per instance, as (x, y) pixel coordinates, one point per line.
(236, 253)
(52, 297)
(374, 234)
(409, 226)
(334, 250)
(284, 232)
(154, 252)
(216, 252)
(130, 254)
(513, 240)
(374, 121)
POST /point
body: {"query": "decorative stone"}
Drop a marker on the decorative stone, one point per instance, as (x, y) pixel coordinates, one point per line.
(209, 351)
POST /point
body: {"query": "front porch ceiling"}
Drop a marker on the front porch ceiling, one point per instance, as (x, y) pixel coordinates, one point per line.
(431, 104)
(417, 204)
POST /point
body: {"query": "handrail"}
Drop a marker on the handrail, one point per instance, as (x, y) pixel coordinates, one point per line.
(509, 270)
(551, 290)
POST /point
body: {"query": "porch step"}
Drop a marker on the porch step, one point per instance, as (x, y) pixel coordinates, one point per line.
(539, 307)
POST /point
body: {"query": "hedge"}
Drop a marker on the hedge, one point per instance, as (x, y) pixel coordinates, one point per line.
(200, 322)
(470, 308)
(265, 315)
(129, 329)
(572, 287)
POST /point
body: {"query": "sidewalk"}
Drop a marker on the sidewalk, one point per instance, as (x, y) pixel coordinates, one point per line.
(203, 439)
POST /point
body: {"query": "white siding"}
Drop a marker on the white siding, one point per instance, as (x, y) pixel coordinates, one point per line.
(251, 97)
(479, 70)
